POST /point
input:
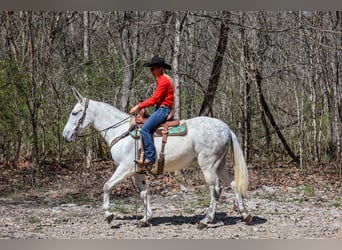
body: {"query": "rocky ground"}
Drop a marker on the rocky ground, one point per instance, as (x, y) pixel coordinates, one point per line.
(277, 214)
(281, 210)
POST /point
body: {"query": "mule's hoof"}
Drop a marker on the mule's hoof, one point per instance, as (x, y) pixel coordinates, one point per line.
(248, 219)
(109, 218)
(142, 224)
(201, 225)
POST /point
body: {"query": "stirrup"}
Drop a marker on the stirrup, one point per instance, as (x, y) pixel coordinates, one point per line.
(144, 167)
(141, 170)
(142, 162)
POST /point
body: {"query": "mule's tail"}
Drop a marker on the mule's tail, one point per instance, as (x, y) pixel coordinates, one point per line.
(240, 167)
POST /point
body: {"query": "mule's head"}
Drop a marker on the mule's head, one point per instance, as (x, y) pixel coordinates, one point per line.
(78, 118)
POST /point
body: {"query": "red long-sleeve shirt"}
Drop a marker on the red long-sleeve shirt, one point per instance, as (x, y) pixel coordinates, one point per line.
(163, 95)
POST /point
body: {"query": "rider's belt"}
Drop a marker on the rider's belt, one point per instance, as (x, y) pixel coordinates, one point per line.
(163, 106)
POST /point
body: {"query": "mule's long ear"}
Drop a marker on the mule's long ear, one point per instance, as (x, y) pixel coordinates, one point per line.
(78, 95)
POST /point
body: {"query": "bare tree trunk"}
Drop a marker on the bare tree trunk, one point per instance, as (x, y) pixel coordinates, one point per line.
(33, 101)
(164, 29)
(258, 79)
(338, 105)
(300, 104)
(179, 25)
(245, 98)
(86, 36)
(313, 98)
(262, 42)
(336, 135)
(299, 97)
(12, 45)
(175, 64)
(127, 57)
(337, 113)
(208, 101)
(262, 105)
(314, 54)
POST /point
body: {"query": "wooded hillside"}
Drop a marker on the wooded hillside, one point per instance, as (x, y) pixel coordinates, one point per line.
(274, 77)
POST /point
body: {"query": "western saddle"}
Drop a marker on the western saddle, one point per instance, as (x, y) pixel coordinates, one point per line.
(162, 130)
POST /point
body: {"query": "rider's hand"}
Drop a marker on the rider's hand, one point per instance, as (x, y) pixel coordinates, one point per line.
(134, 109)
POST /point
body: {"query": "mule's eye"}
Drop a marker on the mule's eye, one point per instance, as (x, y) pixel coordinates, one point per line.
(75, 112)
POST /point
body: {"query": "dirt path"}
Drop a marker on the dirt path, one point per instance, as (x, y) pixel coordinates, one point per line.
(279, 213)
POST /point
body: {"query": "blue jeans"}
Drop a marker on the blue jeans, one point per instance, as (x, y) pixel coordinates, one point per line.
(158, 117)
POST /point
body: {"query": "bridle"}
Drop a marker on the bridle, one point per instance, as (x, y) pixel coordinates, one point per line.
(81, 120)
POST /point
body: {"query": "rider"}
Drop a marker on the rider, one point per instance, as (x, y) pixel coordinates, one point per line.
(162, 99)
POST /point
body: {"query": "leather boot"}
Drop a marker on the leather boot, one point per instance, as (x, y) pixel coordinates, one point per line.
(142, 162)
(143, 166)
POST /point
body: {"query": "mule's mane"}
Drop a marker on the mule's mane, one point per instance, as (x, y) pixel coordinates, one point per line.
(106, 115)
(110, 110)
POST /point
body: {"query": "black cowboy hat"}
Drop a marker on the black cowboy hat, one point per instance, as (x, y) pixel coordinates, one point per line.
(157, 61)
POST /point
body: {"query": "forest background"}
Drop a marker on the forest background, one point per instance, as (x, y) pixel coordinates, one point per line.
(274, 77)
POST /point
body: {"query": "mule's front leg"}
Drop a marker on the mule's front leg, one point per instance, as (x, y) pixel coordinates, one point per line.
(140, 179)
(108, 215)
(121, 173)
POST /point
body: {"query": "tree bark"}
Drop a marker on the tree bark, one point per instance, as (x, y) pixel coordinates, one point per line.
(263, 103)
(336, 125)
(179, 25)
(209, 97)
(245, 97)
(33, 102)
(10, 39)
(127, 57)
(86, 36)
(164, 31)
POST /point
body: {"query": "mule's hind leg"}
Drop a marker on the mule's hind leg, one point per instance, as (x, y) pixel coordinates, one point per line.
(140, 179)
(241, 205)
(209, 164)
(215, 191)
(226, 178)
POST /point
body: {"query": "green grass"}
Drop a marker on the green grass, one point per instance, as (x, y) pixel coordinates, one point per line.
(19, 186)
(67, 198)
(122, 207)
(179, 179)
(39, 227)
(203, 200)
(189, 209)
(337, 203)
(33, 219)
(61, 221)
(82, 198)
(299, 200)
(309, 190)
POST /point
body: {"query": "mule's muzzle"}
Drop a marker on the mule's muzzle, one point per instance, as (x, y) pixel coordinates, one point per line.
(69, 136)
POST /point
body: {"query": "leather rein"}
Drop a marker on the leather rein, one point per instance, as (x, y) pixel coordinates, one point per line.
(116, 125)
